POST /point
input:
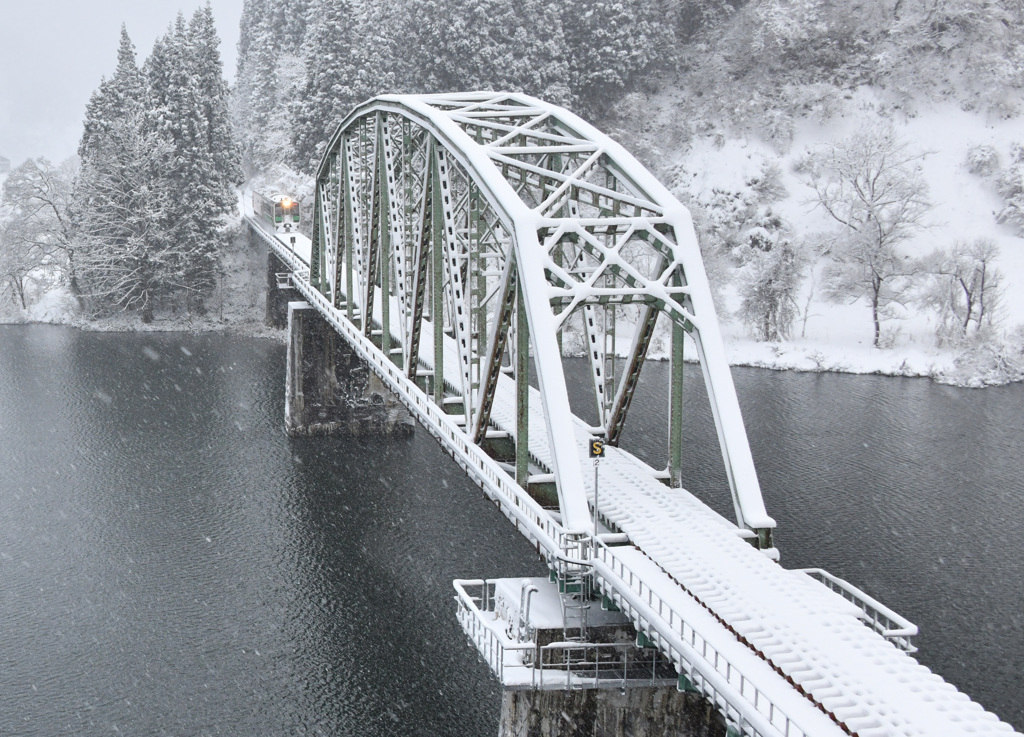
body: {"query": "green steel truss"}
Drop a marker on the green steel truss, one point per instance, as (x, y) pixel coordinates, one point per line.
(467, 234)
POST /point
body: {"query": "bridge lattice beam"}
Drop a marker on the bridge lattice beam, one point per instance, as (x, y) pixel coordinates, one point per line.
(500, 224)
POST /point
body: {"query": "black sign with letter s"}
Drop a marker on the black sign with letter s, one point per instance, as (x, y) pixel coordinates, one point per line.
(597, 449)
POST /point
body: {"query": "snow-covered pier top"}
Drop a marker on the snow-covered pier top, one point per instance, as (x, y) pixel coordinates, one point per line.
(459, 238)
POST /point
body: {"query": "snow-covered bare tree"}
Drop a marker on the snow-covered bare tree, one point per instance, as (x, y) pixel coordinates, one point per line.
(39, 198)
(966, 287)
(870, 184)
(23, 256)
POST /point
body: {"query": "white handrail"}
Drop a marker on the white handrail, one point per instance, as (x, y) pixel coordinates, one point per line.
(499, 486)
(884, 620)
(710, 671)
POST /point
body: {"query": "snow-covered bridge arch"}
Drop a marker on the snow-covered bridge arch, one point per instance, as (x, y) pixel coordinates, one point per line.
(465, 233)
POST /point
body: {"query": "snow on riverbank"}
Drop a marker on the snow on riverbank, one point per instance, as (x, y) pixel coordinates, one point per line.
(827, 336)
(838, 337)
(238, 304)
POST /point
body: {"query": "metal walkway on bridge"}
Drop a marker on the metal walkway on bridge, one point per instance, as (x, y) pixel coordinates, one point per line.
(779, 652)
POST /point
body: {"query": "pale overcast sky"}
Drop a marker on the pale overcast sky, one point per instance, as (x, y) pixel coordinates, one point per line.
(53, 54)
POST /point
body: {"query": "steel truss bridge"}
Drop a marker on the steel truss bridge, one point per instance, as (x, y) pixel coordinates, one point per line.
(461, 243)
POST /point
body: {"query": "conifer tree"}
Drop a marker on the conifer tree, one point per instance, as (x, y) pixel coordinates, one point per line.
(256, 91)
(382, 63)
(126, 251)
(100, 209)
(173, 115)
(158, 169)
(509, 45)
(115, 100)
(613, 44)
(331, 68)
(187, 109)
(214, 96)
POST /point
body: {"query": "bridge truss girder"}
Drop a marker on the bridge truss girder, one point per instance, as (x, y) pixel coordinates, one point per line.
(477, 227)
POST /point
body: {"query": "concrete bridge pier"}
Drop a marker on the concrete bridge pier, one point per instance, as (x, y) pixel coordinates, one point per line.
(636, 711)
(330, 389)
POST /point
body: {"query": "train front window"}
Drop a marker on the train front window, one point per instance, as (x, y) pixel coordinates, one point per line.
(287, 208)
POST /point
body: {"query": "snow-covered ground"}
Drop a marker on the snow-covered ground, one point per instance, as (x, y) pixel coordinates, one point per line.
(839, 337)
(830, 336)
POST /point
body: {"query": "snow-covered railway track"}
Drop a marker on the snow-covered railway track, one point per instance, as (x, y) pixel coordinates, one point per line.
(459, 233)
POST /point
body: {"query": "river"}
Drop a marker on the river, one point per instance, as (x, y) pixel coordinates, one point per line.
(172, 563)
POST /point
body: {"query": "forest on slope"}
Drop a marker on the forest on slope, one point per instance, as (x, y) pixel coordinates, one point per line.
(767, 118)
(855, 169)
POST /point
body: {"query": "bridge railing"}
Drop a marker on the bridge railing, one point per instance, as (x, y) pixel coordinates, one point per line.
(557, 665)
(527, 515)
(879, 617)
(706, 668)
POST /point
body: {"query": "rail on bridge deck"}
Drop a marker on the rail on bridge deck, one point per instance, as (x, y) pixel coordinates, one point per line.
(457, 237)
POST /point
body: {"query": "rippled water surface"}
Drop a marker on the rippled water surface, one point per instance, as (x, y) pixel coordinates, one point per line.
(172, 563)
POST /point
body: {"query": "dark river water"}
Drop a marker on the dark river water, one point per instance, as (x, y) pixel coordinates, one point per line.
(172, 563)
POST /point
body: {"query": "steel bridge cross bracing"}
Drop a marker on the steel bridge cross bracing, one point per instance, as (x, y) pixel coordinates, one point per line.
(456, 238)
(456, 215)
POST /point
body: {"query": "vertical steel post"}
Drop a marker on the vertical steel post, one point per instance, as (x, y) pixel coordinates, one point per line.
(675, 408)
(477, 228)
(436, 277)
(315, 256)
(384, 241)
(522, 390)
(348, 197)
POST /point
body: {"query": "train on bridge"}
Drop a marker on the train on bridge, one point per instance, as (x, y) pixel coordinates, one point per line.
(279, 212)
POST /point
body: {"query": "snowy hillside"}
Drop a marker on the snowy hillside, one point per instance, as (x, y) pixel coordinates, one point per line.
(716, 170)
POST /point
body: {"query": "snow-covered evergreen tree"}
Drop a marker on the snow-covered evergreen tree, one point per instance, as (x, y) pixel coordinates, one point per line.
(769, 287)
(269, 60)
(612, 47)
(382, 61)
(214, 94)
(187, 109)
(513, 45)
(158, 169)
(331, 70)
(101, 209)
(174, 115)
(127, 253)
(1011, 187)
(115, 99)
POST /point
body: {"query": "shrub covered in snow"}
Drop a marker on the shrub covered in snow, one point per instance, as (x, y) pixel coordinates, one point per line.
(1011, 187)
(982, 160)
